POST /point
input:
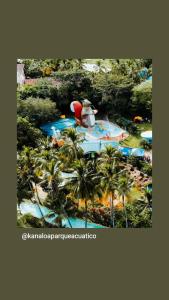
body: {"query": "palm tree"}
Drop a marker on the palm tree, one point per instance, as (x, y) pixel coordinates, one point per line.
(109, 185)
(35, 191)
(110, 155)
(72, 140)
(124, 185)
(26, 165)
(84, 184)
(25, 172)
(145, 203)
(109, 168)
(78, 63)
(52, 177)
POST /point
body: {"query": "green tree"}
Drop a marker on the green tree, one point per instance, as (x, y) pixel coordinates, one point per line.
(139, 214)
(109, 185)
(25, 173)
(108, 168)
(84, 183)
(37, 110)
(72, 141)
(142, 99)
(124, 185)
(27, 134)
(110, 155)
(54, 185)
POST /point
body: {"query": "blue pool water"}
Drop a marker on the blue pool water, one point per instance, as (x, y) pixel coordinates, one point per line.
(79, 223)
(58, 125)
(100, 130)
(132, 151)
(93, 135)
(27, 207)
(147, 135)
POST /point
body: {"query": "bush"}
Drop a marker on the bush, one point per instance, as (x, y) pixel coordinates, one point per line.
(33, 68)
(147, 62)
(132, 128)
(126, 124)
(135, 161)
(37, 110)
(138, 217)
(27, 134)
(147, 169)
(42, 89)
(146, 145)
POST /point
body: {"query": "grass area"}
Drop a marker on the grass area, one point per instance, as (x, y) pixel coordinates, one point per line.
(134, 140)
(144, 126)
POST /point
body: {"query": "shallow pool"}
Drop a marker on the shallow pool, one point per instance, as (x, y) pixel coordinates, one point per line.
(58, 125)
(27, 207)
(147, 135)
(100, 130)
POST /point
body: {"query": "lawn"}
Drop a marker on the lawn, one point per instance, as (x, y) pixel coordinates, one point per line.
(134, 140)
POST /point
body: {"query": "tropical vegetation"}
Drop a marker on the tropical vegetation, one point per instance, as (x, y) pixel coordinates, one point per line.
(106, 188)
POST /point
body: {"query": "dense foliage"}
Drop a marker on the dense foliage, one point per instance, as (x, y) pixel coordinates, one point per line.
(118, 90)
(42, 88)
(37, 110)
(142, 99)
(27, 134)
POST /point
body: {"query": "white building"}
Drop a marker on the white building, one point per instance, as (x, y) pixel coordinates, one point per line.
(20, 74)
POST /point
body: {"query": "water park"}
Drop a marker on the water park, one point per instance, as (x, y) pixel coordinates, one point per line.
(84, 163)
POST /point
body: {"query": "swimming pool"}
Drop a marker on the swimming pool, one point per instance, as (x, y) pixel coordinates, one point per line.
(58, 125)
(27, 207)
(99, 131)
(147, 135)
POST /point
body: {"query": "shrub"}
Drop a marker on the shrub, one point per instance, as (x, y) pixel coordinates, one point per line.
(126, 124)
(135, 161)
(33, 68)
(138, 217)
(147, 169)
(132, 128)
(42, 89)
(146, 145)
(147, 62)
(27, 134)
(38, 110)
